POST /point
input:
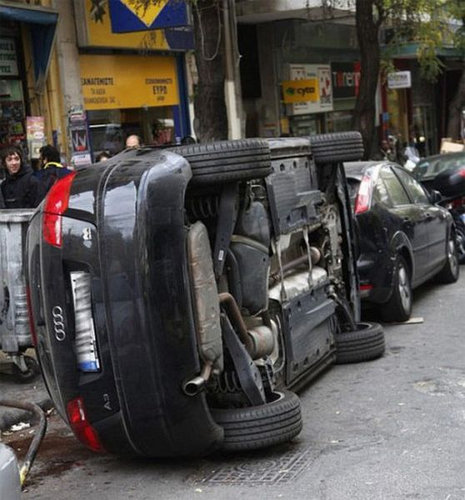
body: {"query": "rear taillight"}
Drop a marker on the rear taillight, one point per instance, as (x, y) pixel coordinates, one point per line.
(56, 203)
(461, 172)
(81, 426)
(364, 288)
(363, 200)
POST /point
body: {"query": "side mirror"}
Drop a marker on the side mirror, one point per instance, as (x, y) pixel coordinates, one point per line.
(435, 196)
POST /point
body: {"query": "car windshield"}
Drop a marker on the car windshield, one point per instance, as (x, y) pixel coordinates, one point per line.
(430, 167)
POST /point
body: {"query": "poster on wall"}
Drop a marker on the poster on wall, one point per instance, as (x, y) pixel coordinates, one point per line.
(35, 133)
(81, 154)
(318, 88)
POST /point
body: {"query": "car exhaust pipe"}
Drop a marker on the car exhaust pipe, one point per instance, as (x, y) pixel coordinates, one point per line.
(197, 384)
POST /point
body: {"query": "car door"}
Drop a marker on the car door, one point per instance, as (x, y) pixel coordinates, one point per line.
(409, 220)
(434, 219)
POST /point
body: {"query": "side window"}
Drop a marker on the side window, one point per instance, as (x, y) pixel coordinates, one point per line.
(381, 195)
(414, 189)
(396, 192)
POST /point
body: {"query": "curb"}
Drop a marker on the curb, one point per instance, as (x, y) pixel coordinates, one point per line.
(11, 416)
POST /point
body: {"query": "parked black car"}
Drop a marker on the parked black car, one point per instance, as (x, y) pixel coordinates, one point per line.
(404, 237)
(428, 168)
(177, 295)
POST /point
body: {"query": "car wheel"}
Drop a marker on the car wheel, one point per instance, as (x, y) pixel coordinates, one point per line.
(257, 427)
(227, 161)
(460, 243)
(399, 306)
(337, 147)
(364, 344)
(450, 272)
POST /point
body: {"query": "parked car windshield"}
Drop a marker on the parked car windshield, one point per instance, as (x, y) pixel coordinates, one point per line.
(430, 167)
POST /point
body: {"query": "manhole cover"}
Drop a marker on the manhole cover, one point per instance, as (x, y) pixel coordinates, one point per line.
(271, 469)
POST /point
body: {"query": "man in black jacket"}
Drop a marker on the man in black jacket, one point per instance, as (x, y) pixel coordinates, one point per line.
(51, 168)
(20, 189)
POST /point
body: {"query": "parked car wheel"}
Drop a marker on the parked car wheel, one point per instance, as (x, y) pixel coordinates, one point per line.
(364, 344)
(227, 161)
(336, 147)
(260, 426)
(450, 271)
(399, 306)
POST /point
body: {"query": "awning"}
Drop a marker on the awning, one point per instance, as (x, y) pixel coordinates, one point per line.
(42, 24)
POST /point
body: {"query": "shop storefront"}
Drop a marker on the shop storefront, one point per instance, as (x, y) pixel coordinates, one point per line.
(132, 83)
(26, 40)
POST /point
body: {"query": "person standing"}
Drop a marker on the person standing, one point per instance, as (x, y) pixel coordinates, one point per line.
(51, 168)
(20, 189)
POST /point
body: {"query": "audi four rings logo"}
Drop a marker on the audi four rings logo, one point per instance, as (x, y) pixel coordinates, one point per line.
(58, 323)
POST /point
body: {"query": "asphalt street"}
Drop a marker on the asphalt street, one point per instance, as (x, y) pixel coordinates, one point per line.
(393, 428)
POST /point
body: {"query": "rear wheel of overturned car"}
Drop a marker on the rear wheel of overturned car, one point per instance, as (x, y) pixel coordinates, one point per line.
(227, 161)
(399, 306)
(364, 344)
(451, 270)
(337, 147)
(256, 427)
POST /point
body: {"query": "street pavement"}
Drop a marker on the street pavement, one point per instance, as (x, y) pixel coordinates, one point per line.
(393, 428)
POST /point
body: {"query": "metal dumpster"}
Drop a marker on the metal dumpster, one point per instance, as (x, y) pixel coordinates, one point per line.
(15, 335)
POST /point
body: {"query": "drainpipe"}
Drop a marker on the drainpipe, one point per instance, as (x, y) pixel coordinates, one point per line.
(232, 89)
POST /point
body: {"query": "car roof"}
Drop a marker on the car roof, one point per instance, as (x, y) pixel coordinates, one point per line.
(442, 156)
(356, 169)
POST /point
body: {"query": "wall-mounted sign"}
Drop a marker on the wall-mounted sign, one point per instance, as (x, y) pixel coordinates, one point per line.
(345, 79)
(314, 93)
(123, 81)
(134, 15)
(399, 80)
(8, 61)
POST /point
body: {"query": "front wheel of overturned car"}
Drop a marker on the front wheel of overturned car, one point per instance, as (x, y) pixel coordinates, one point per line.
(451, 270)
(399, 306)
(256, 427)
(364, 344)
(337, 147)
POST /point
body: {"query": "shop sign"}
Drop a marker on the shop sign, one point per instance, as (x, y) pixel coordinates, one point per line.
(399, 80)
(94, 30)
(123, 81)
(8, 62)
(345, 79)
(134, 15)
(315, 94)
(300, 91)
(79, 137)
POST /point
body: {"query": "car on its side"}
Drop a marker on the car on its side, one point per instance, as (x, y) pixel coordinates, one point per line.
(404, 237)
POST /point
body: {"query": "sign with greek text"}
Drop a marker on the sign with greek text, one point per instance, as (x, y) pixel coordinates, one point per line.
(310, 91)
(8, 61)
(399, 80)
(120, 81)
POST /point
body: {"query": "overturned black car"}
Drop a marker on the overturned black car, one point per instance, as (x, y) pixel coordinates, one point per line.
(177, 296)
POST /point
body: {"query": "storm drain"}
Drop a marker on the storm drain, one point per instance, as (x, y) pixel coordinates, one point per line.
(258, 470)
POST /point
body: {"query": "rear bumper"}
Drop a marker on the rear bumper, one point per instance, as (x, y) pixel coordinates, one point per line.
(376, 274)
(141, 303)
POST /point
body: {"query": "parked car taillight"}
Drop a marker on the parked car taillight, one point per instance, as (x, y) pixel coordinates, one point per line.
(56, 203)
(81, 426)
(363, 200)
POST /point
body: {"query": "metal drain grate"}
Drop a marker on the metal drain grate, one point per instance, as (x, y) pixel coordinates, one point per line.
(257, 470)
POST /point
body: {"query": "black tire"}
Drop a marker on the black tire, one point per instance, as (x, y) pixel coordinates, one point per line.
(227, 161)
(364, 344)
(337, 147)
(30, 374)
(399, 306)
(460, 242)
(258, 427)
(451, 270)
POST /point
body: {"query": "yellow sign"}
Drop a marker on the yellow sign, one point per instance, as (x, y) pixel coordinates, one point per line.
(146, 13)
(124, 81)
(300, 91)
(100, 34)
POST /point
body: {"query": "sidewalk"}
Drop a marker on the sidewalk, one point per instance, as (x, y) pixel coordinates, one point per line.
(32, 392)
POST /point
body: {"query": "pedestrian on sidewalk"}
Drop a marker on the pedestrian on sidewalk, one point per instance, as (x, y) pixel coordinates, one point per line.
(51, 168)
(20, 189)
